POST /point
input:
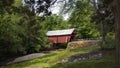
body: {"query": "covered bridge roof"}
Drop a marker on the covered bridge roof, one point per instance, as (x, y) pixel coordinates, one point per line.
(60, 32)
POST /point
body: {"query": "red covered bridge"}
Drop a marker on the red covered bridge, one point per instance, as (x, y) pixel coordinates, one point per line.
(61, 36)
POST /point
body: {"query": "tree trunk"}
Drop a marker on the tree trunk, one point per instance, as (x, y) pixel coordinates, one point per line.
(116, 12)
(103, 33)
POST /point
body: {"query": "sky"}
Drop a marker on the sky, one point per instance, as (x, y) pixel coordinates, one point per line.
(56, 8)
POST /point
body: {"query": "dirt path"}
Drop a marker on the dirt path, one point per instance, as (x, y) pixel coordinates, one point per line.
(31, 56)
(26, 57)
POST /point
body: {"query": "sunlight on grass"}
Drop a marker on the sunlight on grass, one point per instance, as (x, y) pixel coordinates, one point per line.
(51, 59)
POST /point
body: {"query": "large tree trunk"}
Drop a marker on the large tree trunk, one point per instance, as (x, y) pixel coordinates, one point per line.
(116, 12)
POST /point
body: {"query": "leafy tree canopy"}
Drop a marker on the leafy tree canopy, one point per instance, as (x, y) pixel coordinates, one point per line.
(40, 7)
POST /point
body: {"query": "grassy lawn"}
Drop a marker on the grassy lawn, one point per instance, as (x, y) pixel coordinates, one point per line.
(107, 61)
(50, 61)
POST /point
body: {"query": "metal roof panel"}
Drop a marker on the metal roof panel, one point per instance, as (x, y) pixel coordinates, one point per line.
(60, 32)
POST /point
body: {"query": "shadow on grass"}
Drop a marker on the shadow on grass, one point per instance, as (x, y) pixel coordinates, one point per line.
(86, 64)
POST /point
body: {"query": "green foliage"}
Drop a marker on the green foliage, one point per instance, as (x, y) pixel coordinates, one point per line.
(81, 20)
(10, 40)
(21, 31)
(109, 45)
(110, 42)
(55, 22)
(17, 3)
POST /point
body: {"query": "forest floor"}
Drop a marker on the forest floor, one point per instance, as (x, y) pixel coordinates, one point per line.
(70, 58)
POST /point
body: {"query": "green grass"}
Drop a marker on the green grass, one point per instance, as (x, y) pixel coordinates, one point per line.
(50, 61)
(107, 61)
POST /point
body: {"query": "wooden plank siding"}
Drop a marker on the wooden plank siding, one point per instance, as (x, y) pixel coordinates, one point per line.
(61, 36)
(59, 39)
